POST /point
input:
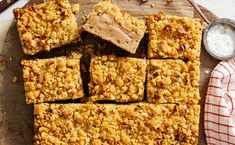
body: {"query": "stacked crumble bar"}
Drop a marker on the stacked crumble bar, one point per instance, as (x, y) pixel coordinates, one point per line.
(46, 26)
(119, 79)
(110, 23)
(52, 79)
(96, 124)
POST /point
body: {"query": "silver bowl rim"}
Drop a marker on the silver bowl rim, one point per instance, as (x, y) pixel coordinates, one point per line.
(229, 22)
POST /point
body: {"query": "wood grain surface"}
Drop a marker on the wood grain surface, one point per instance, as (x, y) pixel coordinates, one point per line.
(16, 118)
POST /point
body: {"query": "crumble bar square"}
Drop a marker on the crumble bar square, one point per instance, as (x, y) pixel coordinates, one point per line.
(52, 79)
(46, 26)
(119, 79)
(116, 26)
(173, 81)
(96, 124)
(174, 37)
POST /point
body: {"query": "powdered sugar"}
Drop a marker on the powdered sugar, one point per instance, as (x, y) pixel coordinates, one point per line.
(221, 40)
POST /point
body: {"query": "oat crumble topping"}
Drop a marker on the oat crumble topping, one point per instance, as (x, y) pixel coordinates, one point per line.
(173, 81)
(174, 37)
(96, 124)
(119, 79)
(46, 26)
(52, 79)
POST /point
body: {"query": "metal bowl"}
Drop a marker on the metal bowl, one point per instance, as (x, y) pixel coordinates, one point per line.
(217, 22)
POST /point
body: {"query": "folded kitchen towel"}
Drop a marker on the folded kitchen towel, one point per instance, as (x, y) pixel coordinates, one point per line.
(219, 119)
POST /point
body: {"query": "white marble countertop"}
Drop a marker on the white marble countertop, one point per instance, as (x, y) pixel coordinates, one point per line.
(223, 9)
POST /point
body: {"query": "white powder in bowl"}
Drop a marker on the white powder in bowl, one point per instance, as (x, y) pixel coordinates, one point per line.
(221, 40)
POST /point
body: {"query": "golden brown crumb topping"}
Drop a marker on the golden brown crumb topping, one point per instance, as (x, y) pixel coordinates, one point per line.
(98, 124)
(174, 37)
(173, 81)
(120, 79)
(52, 79)
(46, 26)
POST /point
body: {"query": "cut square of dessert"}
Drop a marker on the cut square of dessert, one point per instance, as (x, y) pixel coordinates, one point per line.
(173, 81)
(119, 79)
(96, 124)
(46, 26)
(52, 79)
(112, 24)
(174, 37)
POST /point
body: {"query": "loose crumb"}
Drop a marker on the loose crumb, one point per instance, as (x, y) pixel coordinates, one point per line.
(142, 55)
(83, 68)
(101, 46)
(11, 59)
(83, 18)
(152, 5)
(9, 1)
(168, 2)
(90, 49)
(14, 79)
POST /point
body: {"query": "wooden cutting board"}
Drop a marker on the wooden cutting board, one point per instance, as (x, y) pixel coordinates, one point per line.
(4, 4)
(16, 118)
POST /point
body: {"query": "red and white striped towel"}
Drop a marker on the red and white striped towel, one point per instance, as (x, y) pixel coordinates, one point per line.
(219, 120)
